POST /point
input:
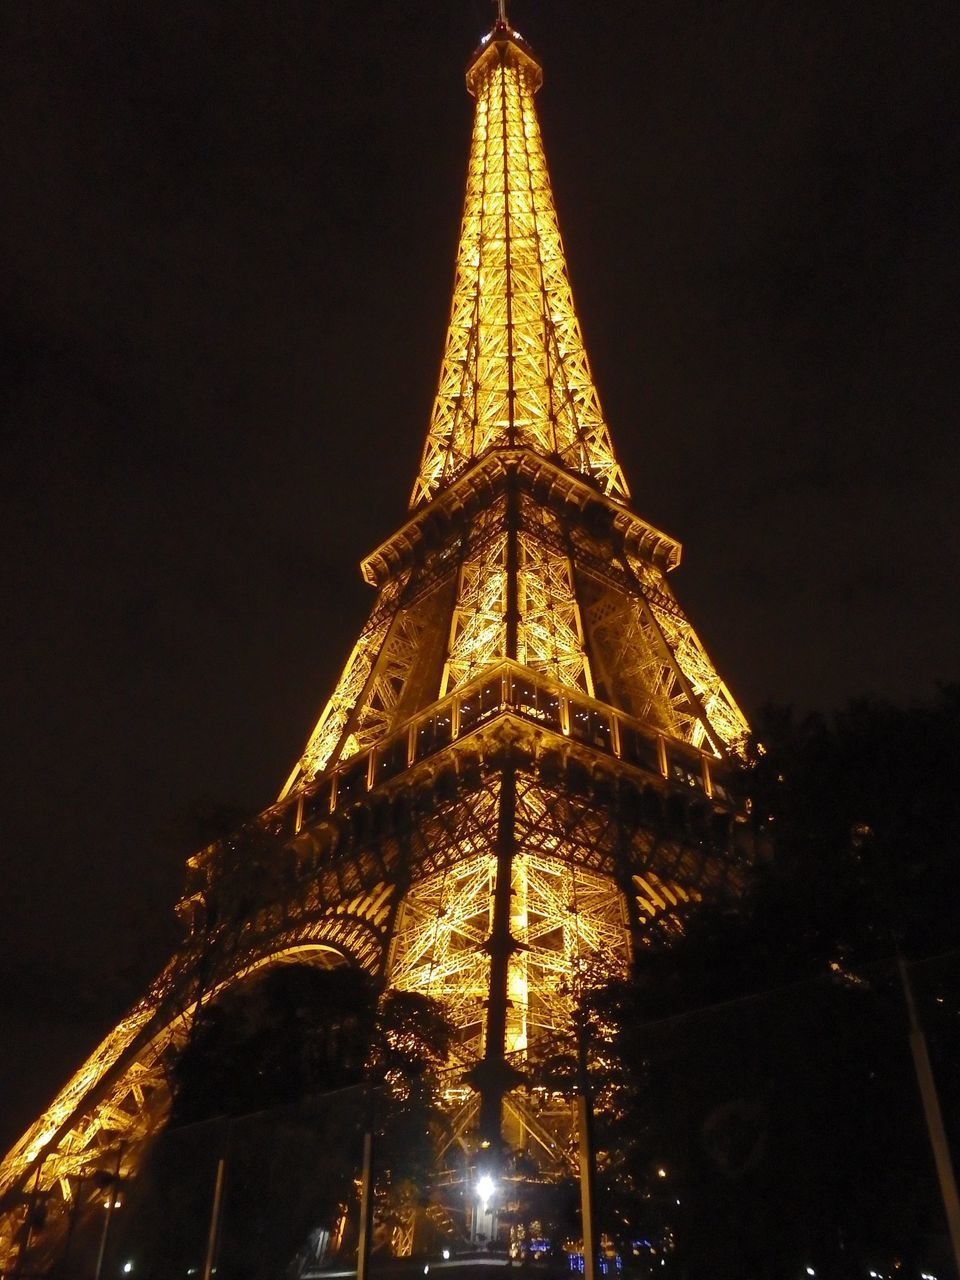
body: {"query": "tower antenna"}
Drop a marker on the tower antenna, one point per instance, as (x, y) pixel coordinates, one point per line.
(502, 13)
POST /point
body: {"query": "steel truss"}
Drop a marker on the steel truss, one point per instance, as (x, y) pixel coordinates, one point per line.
(515, 369)
(413, 902)
(524, 769)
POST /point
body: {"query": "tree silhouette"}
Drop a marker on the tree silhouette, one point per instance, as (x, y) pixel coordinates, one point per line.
(760, 1050)
(278, 1079)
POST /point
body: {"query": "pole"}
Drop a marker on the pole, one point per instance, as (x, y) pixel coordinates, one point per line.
(214, 1220)
(364, 1244)
(114, 1186)
(585, 1132)
(72, 1224)
(931, 1110)
(494, 1076)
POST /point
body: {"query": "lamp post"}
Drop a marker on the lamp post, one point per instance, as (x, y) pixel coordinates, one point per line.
(881, 882)
(587, 1167)
(936, 1132)
(72, 1221)
(113, 1191)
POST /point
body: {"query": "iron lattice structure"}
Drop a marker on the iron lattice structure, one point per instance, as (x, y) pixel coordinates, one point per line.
(524, 763)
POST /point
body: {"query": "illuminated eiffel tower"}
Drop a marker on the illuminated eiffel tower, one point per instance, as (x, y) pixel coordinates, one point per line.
(523, 764)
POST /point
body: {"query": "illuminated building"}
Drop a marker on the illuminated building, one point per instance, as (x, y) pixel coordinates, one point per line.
(522, 765)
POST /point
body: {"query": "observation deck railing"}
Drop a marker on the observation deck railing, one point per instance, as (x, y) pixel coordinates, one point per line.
(699, 780)
(512, 689)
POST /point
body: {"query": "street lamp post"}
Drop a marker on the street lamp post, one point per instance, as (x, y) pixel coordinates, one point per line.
(587, 1172)
(72, 1220)
(112, 1193)
(932, 1113)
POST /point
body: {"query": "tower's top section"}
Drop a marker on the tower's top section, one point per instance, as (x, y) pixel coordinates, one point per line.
(515, 373)
(493, 43)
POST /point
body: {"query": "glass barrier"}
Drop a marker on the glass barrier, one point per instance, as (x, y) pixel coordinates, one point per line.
(639, 748)
(253, 1197)
(469, 711)
(434, 733)
(391, 758)
(589, 725)
(720, 788)
(684, 769)
(491, 699)
(524, 694)
(317, 806)
(352, 782)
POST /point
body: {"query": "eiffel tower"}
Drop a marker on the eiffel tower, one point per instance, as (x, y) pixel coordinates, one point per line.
(525, 762)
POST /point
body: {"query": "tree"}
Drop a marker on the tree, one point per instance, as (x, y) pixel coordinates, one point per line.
(282, 1039)
(763, 1044)
(276, 1079)
(410, 1051)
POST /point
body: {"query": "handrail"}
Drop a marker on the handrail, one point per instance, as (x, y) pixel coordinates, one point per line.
(509, 687)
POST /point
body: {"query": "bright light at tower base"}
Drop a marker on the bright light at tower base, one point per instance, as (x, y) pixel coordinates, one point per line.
(485, 1188)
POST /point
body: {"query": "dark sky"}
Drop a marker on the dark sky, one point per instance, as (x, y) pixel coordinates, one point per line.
(227, 235)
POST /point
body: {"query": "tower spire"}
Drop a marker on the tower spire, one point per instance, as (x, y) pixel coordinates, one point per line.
(515, 372)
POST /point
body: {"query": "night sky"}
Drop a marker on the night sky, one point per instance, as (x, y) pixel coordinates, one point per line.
(227, 236)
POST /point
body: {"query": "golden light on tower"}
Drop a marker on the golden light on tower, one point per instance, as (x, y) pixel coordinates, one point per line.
(522, 768)
(515, 377)
(515, 372)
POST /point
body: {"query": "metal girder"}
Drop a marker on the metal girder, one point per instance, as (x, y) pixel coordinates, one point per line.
(719, 706)
(326, 735)
(412, 900)
(549, 633)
